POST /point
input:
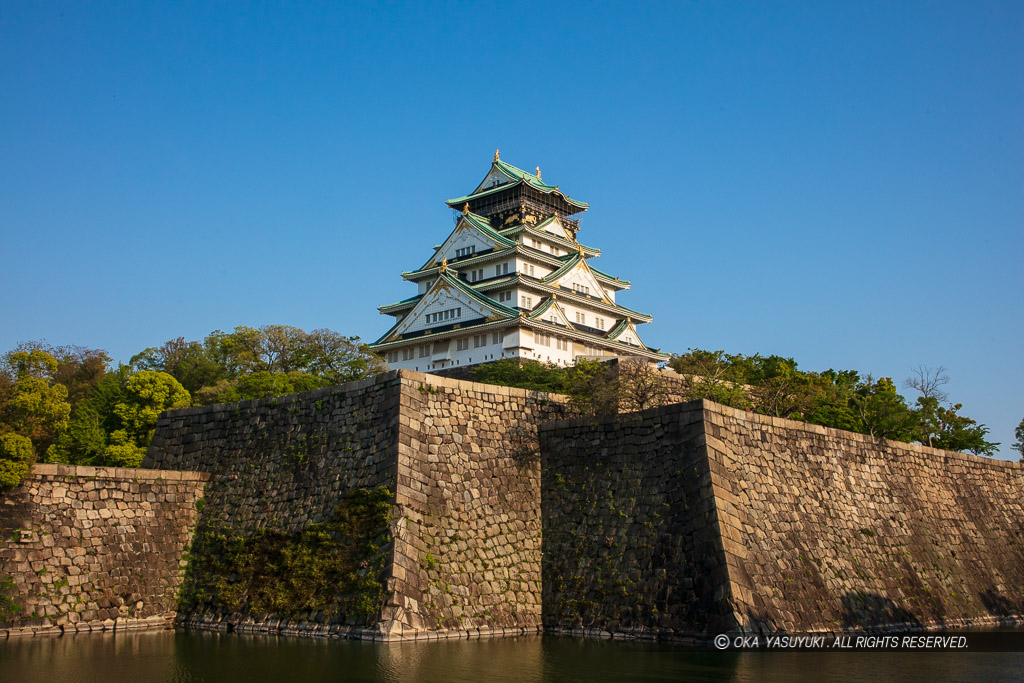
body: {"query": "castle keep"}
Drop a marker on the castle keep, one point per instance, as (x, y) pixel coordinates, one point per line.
(511, 281)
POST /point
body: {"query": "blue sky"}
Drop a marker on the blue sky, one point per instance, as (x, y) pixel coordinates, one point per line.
(837, 182)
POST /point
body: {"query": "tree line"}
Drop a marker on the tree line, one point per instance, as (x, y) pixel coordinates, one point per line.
(770, 385)
(70, 404)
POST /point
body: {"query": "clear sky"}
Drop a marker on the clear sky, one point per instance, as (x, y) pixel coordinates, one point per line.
(840, 182)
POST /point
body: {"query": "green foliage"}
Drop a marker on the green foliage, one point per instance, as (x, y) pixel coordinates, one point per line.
(84, 441)
(429, 561)
(944, 428)
(1018, 445)
(521, 373)
(189, 362)
(882, 412)
(122, 451)
(38, 406)
(331, 567)
(593, 388)
(9, 608)
(842, 399)
(16, 458)
(259, 384)
(715, 375)
(147, 394)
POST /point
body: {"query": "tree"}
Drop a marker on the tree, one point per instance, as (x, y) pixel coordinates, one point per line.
(259, 385)
(338, 358)
(928, 382)
(1018, 445)
(38, 406)
(522, 373)
(778, 388)
(16, 458)
(640, 385)
(830, 402)
(944, 428)
(115, 424)
(149, 394)
(594, 388)
(883, 413)
(272, 348)
(714, 375)
(84, 441)
(189, 362)
(79, 368)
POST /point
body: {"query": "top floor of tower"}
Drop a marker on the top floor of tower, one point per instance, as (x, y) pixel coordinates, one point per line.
(511, 196)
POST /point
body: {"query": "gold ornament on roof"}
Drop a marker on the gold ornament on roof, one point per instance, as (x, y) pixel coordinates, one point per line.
(579, 247)
(538, 173)
(495, 153)
(465, 208)
(444, 265)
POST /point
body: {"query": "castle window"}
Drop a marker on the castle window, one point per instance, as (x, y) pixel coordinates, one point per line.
(424, 350)
(479, 340)
(562, 344)
(407, 354)
(498, 337)
(462, 344)
(599, 322)
(392, 356)
(542, 339)
(581, 318)
(526, 302)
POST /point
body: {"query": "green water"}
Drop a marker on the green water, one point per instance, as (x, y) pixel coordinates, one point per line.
(186, 657)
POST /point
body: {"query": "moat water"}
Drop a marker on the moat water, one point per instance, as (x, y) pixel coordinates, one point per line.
(147, 657)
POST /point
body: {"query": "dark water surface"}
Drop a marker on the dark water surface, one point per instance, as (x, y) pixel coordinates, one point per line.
(186, 657)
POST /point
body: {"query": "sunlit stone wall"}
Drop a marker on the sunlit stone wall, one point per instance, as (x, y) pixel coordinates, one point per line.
(696, 518)
(93, 548)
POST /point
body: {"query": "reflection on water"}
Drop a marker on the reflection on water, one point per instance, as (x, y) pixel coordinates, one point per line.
(190, 657)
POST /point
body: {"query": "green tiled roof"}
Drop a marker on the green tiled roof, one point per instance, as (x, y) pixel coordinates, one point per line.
(601, 340)
(403, 302)
(540, 232)
(482, 298)
(484, 225)
(517, 176)
(569, 264)
(542, 309)
(601, 273)
(462, 286)
(619, 328)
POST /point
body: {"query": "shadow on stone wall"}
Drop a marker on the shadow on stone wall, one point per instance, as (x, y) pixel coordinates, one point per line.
(870, 610)
(999, 605)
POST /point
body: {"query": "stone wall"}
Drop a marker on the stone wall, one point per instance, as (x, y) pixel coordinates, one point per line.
(795, 527)
(460, 461)
(827, 530)
(278, 466)
(630, 533)
(91, 548)
(469, 555)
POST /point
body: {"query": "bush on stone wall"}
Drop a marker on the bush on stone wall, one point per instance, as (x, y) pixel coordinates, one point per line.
(333, 567)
